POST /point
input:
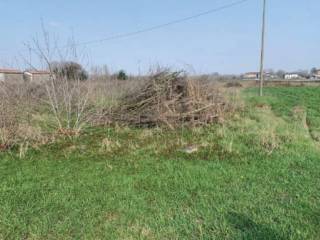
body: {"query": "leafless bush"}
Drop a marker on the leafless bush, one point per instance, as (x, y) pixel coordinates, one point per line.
(16, 106)
(67, 91)
(68, 102)
(171, 99)
(8, 119)
(233, 85)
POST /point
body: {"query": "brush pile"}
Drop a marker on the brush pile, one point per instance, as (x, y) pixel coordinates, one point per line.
(171, 99)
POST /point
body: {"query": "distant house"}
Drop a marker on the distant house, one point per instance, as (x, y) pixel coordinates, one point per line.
(11, 75)
(291, 76)
(251, 76)
(316, 74)
(269, 75)
(36, 76)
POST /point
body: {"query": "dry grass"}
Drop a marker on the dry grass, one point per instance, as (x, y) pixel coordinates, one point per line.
(30, 112)
(18, 103)
(9, 115)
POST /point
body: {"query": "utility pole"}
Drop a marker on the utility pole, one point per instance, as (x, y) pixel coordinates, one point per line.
(262, 48)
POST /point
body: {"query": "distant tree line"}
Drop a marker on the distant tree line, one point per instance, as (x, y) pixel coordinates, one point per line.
(70, 70)
(75, 71)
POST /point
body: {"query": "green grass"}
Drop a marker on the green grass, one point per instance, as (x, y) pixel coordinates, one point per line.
(284, 99)
(254, 177)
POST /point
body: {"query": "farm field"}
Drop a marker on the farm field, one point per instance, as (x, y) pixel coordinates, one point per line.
(254, 176)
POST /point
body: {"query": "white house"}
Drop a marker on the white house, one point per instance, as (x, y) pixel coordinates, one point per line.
(290, 76)
(251, 75)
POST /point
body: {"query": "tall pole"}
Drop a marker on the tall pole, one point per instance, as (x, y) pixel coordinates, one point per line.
(262, 48)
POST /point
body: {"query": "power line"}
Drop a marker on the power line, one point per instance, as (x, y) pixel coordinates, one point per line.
(164, 25)
(156, 27)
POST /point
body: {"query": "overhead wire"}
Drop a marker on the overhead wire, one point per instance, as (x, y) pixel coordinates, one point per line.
(155, 27)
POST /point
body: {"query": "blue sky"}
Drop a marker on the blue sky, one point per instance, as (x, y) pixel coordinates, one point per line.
(227, 41)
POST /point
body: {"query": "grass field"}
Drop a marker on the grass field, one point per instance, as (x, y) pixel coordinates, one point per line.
(283, 100)
(254, 177)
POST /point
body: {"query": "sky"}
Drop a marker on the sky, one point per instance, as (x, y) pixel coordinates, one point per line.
(227, 41)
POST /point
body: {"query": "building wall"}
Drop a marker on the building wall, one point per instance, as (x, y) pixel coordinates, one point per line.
(36, 78)
(12, 77)
(251, 76)
(291, 76)
(40, 77)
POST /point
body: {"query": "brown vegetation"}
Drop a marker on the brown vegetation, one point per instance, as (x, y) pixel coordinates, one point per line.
(17, 104)
(171, 99)
(31, 112)
(69, 100)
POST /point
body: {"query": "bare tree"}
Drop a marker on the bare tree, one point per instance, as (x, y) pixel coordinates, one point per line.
(313, 71)
(280, 73)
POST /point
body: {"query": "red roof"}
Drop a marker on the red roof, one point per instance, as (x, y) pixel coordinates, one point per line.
(7, 70)
(38, 72)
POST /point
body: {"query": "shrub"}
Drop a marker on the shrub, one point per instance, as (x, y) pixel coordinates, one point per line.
(8, 126)
(122, 75)
(233, 85)
(69, 70)
(15, 107)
